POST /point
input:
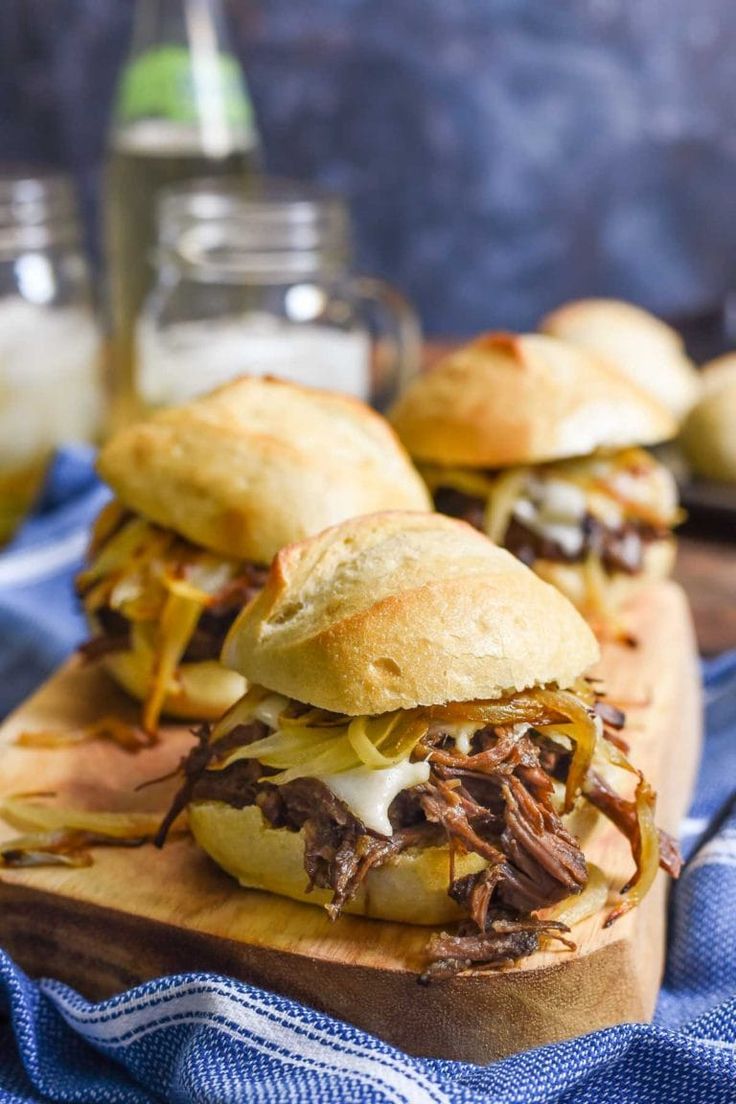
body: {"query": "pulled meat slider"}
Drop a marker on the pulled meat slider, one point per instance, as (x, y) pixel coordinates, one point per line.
(416, 732)
(709, 433)
(205, 495)
(536, 442)
(633, 342)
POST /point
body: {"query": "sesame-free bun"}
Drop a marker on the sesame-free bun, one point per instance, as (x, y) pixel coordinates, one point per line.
(397, 610)
(259, 463)
(709, 433)
(411, 888)
(507, 399)
(200, 691)
(569, 578)
(635, 343)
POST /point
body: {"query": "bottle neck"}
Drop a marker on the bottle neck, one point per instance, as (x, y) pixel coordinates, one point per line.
(191, 23)
(156, 22)
(183, 72)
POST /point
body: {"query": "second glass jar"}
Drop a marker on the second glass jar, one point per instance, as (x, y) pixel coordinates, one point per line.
(256, 280)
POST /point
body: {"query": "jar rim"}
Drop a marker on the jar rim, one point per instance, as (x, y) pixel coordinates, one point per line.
(38, 208)
(266, 191)
(22, 185)
(269, 226)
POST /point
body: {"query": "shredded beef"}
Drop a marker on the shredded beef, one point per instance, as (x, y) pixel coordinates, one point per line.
(546, 862)
(455, 813)
(614, 720)
(236, 785)
(496, 802)
(611, 715)
(623, 814)
(501, 750)
(501, 943)
(619, 549)
(406, 809)
(114, 635)
(213, 625)
(374, 850)
(474, 892)
(209, 635)
(515, 827)
(470, 508)
(99, 646)
(670, 859)
(194, 768)
(338, 852)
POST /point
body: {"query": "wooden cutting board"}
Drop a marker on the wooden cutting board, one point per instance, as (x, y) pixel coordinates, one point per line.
(135, 914)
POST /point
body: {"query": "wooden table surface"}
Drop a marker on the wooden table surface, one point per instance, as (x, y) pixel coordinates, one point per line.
(177, 912)
(706, 567)
(707, 571)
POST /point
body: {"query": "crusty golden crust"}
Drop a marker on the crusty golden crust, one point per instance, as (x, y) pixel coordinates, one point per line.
(634, 342)
(260, 463)
(718, 373)
(396, 610)
(709, 434)
(509, 399)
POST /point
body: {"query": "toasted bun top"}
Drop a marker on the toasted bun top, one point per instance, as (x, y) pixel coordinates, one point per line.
(709, 432)
(718, 374)
(508, 399)
(260, 463)
(397, 610)
(635, 343)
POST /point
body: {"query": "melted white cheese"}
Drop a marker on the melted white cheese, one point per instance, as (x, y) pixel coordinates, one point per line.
(567, 533)
(653, 487)
(368, 793)
(462, 734)
(269, 709)
(554, 509)
(561, 500)
(606, 509)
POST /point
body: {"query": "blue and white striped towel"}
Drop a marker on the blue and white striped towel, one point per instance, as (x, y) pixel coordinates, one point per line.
(40, 622)
(201, 1038)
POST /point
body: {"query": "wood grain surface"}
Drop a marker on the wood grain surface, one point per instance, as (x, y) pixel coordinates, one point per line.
(706, 569)
(135, 914)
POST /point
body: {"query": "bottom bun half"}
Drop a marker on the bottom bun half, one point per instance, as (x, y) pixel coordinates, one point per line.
(411, 888)
(571, 579)
(201, 692)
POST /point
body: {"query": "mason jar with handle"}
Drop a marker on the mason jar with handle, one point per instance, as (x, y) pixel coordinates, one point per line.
(257, 280)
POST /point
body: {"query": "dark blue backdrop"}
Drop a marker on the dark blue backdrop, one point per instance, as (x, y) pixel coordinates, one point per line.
(500, 155)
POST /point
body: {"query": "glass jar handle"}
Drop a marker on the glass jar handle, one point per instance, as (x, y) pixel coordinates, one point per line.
(397, 336)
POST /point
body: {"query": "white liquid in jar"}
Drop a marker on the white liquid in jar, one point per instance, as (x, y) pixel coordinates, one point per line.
(190, 358)
(49, 383)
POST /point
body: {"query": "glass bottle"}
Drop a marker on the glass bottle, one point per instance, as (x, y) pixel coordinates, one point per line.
(49, 343)
(259, 281)
(182, 109)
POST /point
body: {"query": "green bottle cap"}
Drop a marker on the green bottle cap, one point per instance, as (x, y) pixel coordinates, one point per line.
(164, 84)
